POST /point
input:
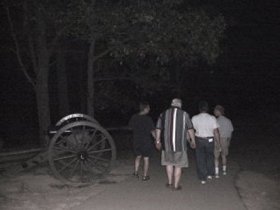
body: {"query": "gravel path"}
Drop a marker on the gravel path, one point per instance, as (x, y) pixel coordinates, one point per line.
(134, 194)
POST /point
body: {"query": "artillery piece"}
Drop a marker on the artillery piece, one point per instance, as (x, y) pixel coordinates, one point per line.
(80, 150)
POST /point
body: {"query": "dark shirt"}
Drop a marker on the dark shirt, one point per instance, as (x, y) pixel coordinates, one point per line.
(141, 125)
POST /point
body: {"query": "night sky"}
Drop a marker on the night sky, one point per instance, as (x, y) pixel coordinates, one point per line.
(245, 78)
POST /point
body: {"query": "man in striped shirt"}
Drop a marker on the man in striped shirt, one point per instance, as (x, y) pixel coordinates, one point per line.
(172, 128)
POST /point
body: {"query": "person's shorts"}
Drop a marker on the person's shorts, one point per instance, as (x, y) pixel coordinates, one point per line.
(178, 159)
(145, 151)
(225, 142)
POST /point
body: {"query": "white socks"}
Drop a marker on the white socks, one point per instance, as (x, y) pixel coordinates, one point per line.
(224, 170)
(217, 172)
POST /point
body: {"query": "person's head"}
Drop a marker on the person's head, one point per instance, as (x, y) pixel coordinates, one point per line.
(203, 106)
(144, 107)
(219, 110)
(176, 102)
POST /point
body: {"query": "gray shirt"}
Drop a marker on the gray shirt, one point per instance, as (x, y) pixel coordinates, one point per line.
(225, 127)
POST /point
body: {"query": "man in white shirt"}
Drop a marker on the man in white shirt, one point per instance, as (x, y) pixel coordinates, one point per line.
(206, 132)
(225, 130)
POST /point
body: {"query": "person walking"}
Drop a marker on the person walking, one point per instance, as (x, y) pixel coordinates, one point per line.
(143, 129)
(206, 132)
(172, 128)
(225, 129)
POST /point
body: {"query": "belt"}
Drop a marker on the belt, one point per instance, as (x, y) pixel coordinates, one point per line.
(206, 138)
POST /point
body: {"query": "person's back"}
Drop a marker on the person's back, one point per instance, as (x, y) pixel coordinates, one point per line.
(206, 135)
(141, 126)
(171, 136)
(204, 124)
(174, 125)
(225, 126)
(225, 129)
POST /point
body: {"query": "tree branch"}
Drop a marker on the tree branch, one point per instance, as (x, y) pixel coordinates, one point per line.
(17, 50)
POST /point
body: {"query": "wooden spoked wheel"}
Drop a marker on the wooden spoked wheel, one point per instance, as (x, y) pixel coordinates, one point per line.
(81, 152)
(75, 118)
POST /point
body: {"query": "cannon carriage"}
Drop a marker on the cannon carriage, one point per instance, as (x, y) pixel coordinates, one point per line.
(80, 150)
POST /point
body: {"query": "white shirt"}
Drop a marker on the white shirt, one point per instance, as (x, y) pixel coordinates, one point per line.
(204, 125)
(225, 127)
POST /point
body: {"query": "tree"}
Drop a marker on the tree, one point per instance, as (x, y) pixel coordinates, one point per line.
(160, 33)
(36, 27)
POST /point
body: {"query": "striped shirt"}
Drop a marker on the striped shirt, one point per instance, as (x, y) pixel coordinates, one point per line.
(174, 123)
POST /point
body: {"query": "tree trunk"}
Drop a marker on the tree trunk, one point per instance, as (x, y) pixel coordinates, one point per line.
(90, 82)
(42, 86)
(62, 84)
(42, 96)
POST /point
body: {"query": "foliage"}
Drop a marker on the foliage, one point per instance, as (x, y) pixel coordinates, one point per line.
(148, 37)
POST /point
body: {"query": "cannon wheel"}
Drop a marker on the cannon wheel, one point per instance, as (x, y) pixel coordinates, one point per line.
(74, 118)
(80, 152)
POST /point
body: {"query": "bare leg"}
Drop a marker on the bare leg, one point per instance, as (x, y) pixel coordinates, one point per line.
(177, 176)
(169, 171)
(137, 163)
(217, 157)
(224, 160)
(146, 166)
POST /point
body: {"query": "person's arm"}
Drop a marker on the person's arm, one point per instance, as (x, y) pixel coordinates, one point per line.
(153, 132)
(158, 143)
(192, 137)
(217, 137)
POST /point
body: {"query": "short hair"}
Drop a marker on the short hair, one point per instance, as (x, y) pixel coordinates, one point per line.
(203, 106)
(177, 102)
(143, 105)
(220, 109)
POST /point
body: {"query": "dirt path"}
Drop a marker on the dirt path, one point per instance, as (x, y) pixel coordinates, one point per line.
(133, 194)
(37, 190)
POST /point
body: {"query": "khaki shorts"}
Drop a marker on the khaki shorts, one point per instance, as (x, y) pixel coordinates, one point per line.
(178, 159)
(225, 142)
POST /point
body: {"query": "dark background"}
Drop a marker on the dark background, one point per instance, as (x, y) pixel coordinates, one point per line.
(245, 79)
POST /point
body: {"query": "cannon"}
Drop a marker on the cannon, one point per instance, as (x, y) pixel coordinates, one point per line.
(80, 150)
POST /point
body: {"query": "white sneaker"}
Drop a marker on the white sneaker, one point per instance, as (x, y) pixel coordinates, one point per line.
(209, 177)
(224, 173)
(203, 182)
(217, 176)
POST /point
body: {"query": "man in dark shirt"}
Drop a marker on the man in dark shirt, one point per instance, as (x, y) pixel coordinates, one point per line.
(143, 128)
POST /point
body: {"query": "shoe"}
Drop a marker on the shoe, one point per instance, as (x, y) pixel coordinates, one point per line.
(203, 182)
(177, 188)
(168, 185)
(145, 178)
(224, 173)
(209, 177)
(135, 174)
(217, 176)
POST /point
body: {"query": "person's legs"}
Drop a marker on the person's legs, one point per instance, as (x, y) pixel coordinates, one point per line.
(200, 159)
(137, 164)
(225, 147)
(169, 172)
(210, 162)
(146, 166)
(177, 176)
(217, 166)
(217, 152)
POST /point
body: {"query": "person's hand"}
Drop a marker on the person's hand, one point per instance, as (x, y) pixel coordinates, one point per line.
(158, 145)
(192, 144)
